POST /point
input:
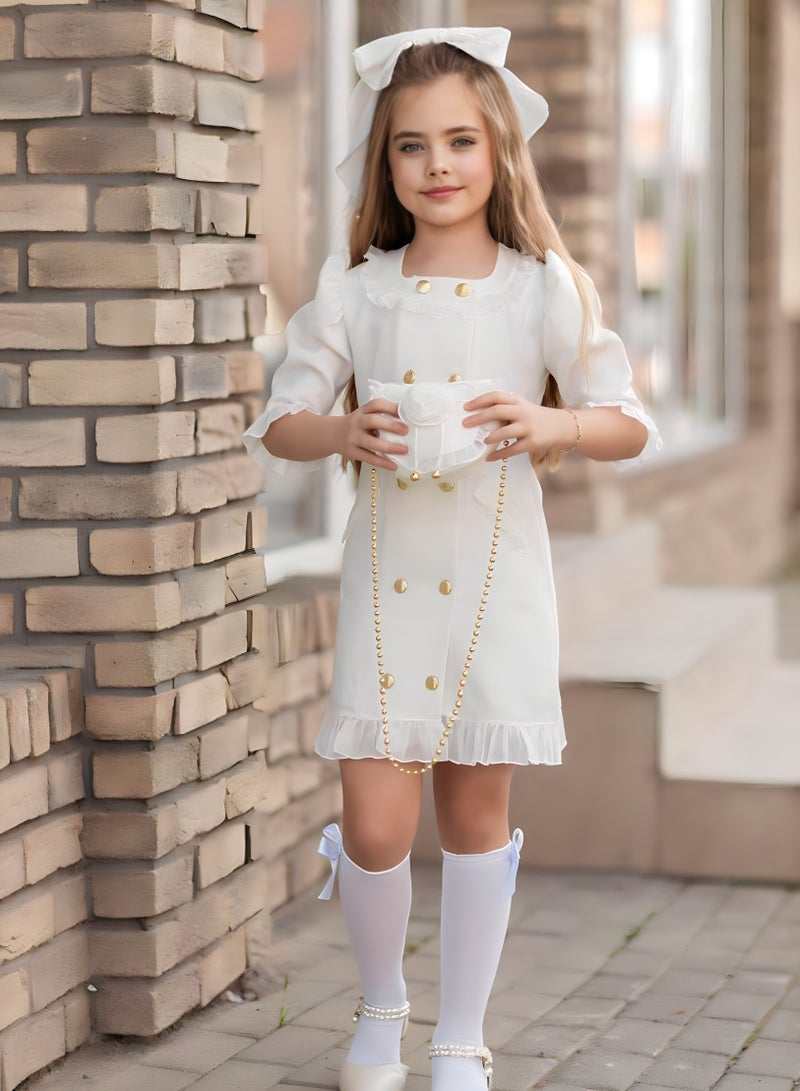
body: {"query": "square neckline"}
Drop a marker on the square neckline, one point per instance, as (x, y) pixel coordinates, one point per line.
(401, 255)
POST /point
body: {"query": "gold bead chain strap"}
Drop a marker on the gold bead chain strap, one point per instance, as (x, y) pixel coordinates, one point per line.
(376, 600)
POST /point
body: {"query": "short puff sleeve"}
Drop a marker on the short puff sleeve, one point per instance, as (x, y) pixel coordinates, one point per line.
(317, 366)
(609, 380)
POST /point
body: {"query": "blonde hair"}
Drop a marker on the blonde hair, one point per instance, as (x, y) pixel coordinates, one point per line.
(517, 214)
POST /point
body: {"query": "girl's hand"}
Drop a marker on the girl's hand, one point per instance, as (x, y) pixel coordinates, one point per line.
(529, 428)
(359, 435)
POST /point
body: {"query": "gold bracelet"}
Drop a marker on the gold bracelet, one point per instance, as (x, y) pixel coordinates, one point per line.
(578, 428)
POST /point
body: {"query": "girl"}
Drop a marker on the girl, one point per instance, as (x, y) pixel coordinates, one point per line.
(470, 348)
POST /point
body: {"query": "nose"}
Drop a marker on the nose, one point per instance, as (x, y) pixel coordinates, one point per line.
(438, 162)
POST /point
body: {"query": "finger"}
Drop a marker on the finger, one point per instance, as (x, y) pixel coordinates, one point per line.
(376, 443)
(519, 448)
(373, 459)
(380, 405)
(494, 397)
(510, 432)
(489, 416)
(384, 423)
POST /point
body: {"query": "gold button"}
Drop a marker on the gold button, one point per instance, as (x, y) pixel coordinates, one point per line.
(462, 290)
(446, 486)
(409, 377)
(455, 377)
(445, 587)
(424, 286)
(414, 475)
(387, 681)
(432, 682)
(400, 586)
(436, 475)
(402, 484)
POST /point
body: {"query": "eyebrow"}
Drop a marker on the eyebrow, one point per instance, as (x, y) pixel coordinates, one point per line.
(405, 135)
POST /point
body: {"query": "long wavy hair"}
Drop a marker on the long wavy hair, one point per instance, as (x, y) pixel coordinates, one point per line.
(517, 214)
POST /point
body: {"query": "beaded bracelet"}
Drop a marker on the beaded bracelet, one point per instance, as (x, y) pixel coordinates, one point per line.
(577, 426)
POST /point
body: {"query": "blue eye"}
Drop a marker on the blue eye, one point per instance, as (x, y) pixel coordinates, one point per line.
(410, 147)
(464, 141)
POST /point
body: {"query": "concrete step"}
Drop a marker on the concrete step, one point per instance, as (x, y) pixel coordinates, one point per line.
(601, 577)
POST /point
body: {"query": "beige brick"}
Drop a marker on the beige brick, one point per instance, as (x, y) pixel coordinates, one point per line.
(65, 699)
(70, 901)
(257, 527)
(251, 679)
(246, 371)
(244, 163)
(220, 316)
(38, 698)
(223, 745)
(145, 437)
(284, 735)
(143, 890)
(257, 730)
(127, 322)
(51, 844)
(145, 774)
(8, 34)
(33, 1043)
(102, 265)
(43, 325)
(151, 89)
(229, 104)
(244, 56)
(255, 216)
(222, 965)
(6, 495)
(14, 996)
(100, 149)
(141, 551)
(23, 795)
(14, 706)
(201, 157)
(245, 577)
(220, 427)
(141, 835)
(232, 11)
(101, 382)
(221, 213)
(5, 735)
(200, 808)
(98, 496)
(98, 34)
(56, 92)
(38, 207)
(126, 950)
(202, 592)
(199, 45)
(202, 375)
(146, 208)
(59, 967)
(77, 1019)
(221, 534)
(145, 663)
(202, 485)
(147, 717)
(246, 786)
(244, 476)
(26, 920)
(51, 551)
(12, 860)
(9, 282)
(65, 778)
(220, 853)
(199, 702)
(207, 264)
(85, 609)
(221, 639)
(43, 442)
(143, 1007)
(8, 153)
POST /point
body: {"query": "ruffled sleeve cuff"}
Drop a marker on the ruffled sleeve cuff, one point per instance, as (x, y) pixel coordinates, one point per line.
(654, 441)
(251, 439)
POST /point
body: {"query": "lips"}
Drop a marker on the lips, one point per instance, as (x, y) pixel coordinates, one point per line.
(441, 191)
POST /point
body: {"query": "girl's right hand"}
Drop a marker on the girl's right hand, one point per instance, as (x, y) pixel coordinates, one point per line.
(359, 436)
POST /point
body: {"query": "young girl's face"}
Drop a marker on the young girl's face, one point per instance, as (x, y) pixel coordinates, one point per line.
(440, 153)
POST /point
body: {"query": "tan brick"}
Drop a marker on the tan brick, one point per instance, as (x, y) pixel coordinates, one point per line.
(23, 795)
(102, 265)
(12, 861)
(147, 717)
(32, 1044)
(220, 427)
(202, 592)
(65, 706)
(200, 808)
(229, 104)
(70, 901)
(143, 890)
(9, 282)
(246, 786)
(220, 853)
(255, 216)
(65, 778)
(221, 534)
(5, 735)
(59, 967)
(207, 264)
(38, 207)
(246, 371)
(100, 149)
(223, 745)
(232, 11)
(97, 34)
(221, 639)
(244, 165)
(85, 609)
(28, 554)
(146, 208)
(128, 322)
(144, 774)
(284, 735)
(199, 45)
(43, 325)
(141, 551)
(8, 34)
(51, 844)
(220, 316)
(151, 89)
(38, 717)
(5, 499)
(244, 476)
(201, 157)
(145, 437)
(251, 679)
(221, 213)
(141, 835)
(27, 920)
(257, 527)
(245, 577)
(145, 663)
(43, 442)
(129, 951)
(14, 705)
(202, 375)
(244, 56)
(221, 965)
(202, 485)
(98, 496)
(101, 382)
(56, 92)
(143, 1007)
(14, 996)
(8, 153)
(257, 730)
(77, 1019)
(199, 702)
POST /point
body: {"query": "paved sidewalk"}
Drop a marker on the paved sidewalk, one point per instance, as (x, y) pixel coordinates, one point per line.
(607, 982)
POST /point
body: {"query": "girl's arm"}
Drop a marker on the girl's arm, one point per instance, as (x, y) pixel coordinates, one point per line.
(307, 436)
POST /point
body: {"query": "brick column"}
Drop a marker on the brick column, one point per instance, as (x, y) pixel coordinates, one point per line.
(130, 277)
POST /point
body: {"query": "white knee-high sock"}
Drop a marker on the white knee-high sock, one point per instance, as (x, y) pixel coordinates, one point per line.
(376, 907)
(476, 902)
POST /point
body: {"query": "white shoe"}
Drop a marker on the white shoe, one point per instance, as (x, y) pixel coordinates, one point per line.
(467, 1051)
(375, 1077)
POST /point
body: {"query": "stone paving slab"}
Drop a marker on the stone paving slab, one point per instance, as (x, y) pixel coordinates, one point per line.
(608, 982)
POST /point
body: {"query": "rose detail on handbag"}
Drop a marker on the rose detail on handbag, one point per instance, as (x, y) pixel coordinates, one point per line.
(438, 443)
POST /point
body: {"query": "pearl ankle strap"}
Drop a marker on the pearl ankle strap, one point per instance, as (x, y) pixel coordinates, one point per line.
(467, 1051)
(373, 1012)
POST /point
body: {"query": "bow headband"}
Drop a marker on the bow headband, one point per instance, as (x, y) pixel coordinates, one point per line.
(375, 63)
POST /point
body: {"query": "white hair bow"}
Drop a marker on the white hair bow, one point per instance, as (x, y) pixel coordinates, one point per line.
(375, 63)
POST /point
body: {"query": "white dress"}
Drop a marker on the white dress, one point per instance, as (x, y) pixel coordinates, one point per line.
(514, 326)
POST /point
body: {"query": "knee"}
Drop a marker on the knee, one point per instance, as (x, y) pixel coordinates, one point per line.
(375, 846)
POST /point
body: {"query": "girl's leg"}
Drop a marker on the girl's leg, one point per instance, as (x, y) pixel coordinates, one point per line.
(381, 813)
(478, 876)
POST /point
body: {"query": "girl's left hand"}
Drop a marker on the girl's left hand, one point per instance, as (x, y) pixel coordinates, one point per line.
(530, 429)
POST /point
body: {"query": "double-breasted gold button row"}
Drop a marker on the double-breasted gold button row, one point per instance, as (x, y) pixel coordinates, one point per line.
(401, 586)
(462, 290)
(387, 681)
(411, 377)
